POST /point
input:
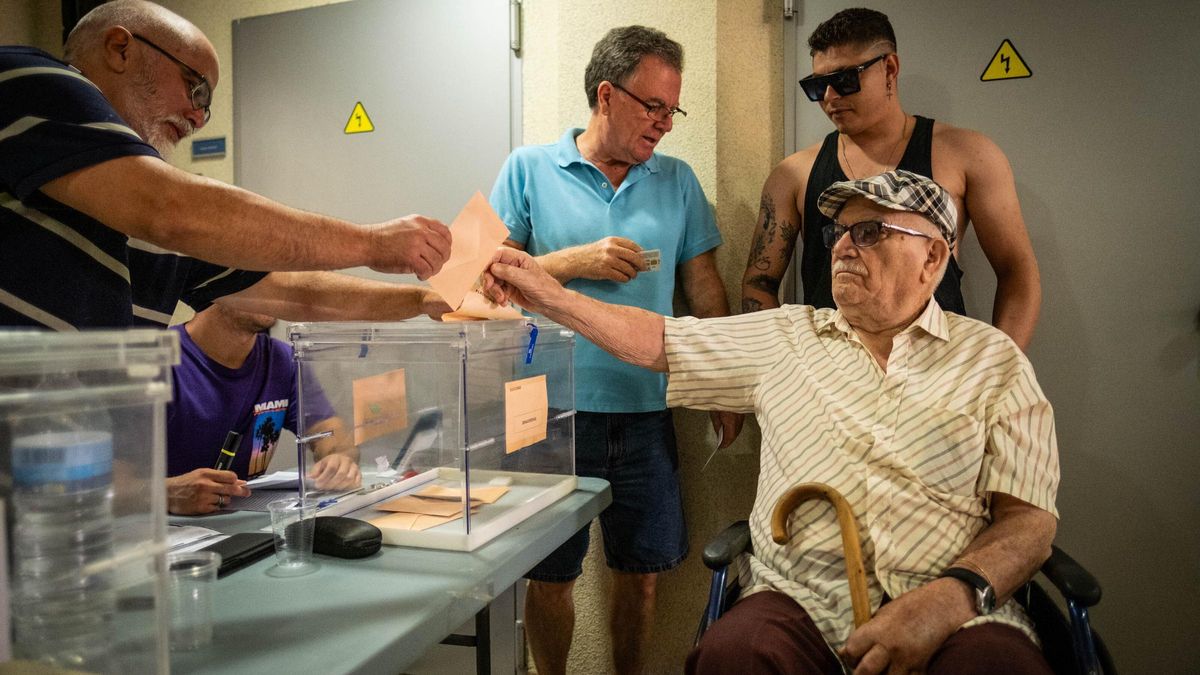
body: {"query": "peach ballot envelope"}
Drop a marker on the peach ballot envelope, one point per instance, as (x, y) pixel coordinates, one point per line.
(475, 307)
(475, 234)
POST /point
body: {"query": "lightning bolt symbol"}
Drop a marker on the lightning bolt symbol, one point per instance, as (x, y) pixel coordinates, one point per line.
(1004, 59)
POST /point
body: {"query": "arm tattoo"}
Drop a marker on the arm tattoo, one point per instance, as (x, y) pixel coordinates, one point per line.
(765, 283)
(766, 213)
(772, 227)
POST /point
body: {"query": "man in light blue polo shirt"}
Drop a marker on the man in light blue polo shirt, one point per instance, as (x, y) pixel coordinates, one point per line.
(608, 217)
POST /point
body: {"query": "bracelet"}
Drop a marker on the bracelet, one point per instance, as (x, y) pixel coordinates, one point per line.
(966, 563)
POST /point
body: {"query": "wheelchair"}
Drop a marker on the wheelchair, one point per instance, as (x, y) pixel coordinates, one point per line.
(1070, 645)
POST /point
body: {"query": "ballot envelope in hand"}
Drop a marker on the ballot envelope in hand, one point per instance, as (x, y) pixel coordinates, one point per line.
(475, 233)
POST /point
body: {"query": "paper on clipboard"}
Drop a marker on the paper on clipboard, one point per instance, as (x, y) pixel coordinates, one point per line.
(525, 412)
(475, 234)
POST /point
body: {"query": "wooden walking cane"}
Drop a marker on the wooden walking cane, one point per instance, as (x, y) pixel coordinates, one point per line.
(796, 496)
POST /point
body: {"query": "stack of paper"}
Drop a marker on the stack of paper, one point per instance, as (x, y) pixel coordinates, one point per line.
(433, 506)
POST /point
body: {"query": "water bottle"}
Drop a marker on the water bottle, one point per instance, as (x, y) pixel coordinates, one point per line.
(63, 596)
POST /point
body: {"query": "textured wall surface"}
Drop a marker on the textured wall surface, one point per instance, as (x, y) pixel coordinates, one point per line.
(32, 23)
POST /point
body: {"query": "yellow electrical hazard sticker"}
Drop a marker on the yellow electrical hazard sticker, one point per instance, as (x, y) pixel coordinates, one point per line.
(1006, 64)
(359, 123)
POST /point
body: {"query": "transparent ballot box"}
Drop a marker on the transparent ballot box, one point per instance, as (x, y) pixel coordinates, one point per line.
(460, 430)
(82, 462)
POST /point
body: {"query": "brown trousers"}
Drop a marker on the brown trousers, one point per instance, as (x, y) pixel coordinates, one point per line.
(769, 633)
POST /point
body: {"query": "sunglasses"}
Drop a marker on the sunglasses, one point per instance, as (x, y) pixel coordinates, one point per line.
(200, 92)
(864, 234)
(844, 82)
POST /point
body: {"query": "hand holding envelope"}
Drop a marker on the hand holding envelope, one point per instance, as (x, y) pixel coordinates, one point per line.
(476, 233)
(474, 306)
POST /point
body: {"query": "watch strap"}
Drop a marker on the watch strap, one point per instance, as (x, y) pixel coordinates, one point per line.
(985, 596)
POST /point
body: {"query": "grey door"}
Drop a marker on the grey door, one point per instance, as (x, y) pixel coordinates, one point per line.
(436, 82)
(1103, 141)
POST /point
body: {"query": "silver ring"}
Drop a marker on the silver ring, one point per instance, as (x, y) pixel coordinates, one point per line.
(220, 501)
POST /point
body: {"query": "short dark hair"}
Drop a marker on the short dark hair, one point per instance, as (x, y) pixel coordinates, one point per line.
(618, 53)
(856, 25)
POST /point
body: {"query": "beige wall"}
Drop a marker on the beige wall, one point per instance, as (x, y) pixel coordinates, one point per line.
(732, 136)
(32, 23)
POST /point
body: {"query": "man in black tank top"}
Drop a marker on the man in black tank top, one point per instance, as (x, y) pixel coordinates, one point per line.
(855, 68)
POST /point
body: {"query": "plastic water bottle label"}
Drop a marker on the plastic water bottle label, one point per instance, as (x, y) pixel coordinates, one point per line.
(61, 457)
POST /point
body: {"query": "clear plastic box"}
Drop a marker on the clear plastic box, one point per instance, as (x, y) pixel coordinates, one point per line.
(468, 409)
(81, 482)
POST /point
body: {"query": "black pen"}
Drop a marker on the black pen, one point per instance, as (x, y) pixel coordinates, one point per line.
(225, 459)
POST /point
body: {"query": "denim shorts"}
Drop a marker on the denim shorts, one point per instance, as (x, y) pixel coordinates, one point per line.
(643, 528)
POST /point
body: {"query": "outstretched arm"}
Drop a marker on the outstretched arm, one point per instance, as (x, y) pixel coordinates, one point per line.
(631, 334)
(329, 296)
(148, 199)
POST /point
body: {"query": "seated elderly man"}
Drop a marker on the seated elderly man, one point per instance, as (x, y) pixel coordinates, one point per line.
(931, 424)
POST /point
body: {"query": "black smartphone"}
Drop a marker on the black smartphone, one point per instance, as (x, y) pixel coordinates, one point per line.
(241, 549)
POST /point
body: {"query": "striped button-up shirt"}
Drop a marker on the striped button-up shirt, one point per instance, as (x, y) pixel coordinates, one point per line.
(916, 449)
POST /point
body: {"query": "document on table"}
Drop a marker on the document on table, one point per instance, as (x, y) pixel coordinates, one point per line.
(487, 495)
(428, 507)
(182, 538)
(278, 480)
(411, 521)
(258, 499)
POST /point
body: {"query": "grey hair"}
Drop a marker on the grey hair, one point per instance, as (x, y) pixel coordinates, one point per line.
(134, 15)
(619, 52)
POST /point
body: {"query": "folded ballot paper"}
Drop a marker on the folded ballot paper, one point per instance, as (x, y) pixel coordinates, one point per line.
(475, 234)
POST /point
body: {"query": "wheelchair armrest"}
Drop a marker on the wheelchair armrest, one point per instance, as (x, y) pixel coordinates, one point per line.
(1071, 579)
(732, 542)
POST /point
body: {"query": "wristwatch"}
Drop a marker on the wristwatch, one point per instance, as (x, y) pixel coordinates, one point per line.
(985, 595)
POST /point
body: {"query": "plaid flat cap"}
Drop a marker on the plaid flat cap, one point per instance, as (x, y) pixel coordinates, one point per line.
(900, 190)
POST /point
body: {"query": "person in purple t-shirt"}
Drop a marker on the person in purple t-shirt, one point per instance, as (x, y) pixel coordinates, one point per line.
(232, 376)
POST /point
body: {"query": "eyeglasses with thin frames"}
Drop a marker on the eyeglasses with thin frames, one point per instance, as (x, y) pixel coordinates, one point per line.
(844, 82)
(864, 234)
(657, 111)
(201, 92)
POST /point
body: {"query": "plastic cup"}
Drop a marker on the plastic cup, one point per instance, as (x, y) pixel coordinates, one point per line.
(191, 576)
(293, 523)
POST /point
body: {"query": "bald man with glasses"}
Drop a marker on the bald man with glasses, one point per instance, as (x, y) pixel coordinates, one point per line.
(97, 231)
(855, 80)
(931, 425)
